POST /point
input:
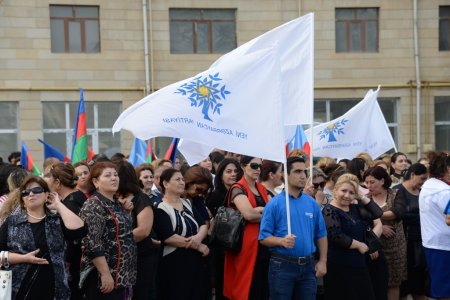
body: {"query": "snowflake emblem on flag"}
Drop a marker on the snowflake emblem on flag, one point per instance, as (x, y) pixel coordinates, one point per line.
(206, 92)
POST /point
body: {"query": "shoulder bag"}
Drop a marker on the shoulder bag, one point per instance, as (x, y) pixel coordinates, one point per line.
(229, 226)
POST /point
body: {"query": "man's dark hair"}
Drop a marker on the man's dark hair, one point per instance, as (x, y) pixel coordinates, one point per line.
(293, 159)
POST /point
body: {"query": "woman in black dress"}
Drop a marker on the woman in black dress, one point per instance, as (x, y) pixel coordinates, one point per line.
(61, 179)
(181, 230)
(416, 281)
(347, 273)
(130, 194)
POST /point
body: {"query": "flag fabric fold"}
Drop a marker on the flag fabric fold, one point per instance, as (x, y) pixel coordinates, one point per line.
(80, 143)
(50, 151)
(231, 106)
(27, 162)
(362, 129)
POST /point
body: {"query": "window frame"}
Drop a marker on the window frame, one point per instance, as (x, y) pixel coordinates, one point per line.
(349, 22)
(202, 20)
(82, 21)
(447, 19)
(440, 122)
(15, 131)
(91, 131)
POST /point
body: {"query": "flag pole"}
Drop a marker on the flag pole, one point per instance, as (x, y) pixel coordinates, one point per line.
(311, 133)
(286, 191)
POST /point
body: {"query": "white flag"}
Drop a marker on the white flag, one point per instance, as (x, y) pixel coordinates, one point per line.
(233, 106)
(295, 41)
(361, 129)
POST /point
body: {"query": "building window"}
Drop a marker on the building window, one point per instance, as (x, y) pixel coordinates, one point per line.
(444, 28)
(356, 29)
(202, 30)
(327, 110)
(74, 28)
(59, 120)
(442, 122)
(9, 125)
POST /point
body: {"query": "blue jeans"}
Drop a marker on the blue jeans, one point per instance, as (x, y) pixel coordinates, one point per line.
(289, 280)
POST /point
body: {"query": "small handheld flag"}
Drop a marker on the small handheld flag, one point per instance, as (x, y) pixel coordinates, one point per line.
(27, 161)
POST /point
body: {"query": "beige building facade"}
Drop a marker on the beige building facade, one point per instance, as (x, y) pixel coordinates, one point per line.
(117, 51)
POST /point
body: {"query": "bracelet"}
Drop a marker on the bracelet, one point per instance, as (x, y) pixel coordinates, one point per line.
(6, 263)
(5, 257)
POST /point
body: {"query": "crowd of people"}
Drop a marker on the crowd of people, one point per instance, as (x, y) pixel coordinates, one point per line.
(358, 228)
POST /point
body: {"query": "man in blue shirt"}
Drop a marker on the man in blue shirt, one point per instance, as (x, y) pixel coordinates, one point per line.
(292, 269)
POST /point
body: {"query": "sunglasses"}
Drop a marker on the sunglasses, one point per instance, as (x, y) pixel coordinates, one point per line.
(317, 185)
(255, 166)
(35, 190)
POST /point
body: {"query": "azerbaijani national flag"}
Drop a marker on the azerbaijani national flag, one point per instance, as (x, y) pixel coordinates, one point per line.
(27, 161)
(50, 151)
(171, 153)
(80, 144)
(150, 154)
(299, 141)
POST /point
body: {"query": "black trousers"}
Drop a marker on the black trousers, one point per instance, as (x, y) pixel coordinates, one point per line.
(91, 291)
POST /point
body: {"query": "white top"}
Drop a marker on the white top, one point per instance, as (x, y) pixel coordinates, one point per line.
(433, 199)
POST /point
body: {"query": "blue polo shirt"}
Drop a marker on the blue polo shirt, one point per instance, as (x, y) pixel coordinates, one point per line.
(307, 223)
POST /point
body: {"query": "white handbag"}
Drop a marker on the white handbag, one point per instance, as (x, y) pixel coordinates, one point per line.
(5, 277)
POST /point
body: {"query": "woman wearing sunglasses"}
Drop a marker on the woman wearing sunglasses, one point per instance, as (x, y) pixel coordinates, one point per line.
(35, 241)
(246, 272)
(315, 185)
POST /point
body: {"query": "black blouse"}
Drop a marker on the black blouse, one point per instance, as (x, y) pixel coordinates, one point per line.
(344, 227)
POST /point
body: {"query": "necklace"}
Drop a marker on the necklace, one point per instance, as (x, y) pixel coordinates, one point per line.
(36, 218)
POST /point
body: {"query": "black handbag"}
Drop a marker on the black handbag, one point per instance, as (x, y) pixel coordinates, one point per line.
(229, 227)
(372, 241)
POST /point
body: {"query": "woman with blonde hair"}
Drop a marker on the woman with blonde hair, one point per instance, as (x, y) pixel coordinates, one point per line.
(12, 203)
(367, 158)
(347, 272)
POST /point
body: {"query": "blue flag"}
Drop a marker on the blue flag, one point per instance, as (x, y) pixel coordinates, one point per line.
(138, 152)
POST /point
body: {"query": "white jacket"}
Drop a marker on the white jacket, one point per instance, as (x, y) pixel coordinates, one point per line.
(433, 199)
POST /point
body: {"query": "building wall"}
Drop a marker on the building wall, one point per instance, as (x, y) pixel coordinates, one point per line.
(31, 73)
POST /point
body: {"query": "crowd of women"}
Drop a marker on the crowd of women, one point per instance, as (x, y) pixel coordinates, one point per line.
(107, 230)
